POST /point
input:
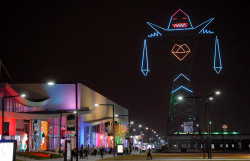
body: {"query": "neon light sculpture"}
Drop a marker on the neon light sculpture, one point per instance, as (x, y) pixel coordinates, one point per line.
(144, 64)
(181, 75)
(180, 20)
(180, 51)
(217, 58)
(180, 26)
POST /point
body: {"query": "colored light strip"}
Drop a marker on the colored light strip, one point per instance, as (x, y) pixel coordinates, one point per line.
(217, 57)
(178, 25)
(204, 30)
(183, 51)
(181, 28)
(153, 27)
(214, 133)
(145, 58)
(181, 75)
(182, 87)
(155, 34)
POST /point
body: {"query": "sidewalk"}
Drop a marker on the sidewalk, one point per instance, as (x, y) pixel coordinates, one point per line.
(90, 158)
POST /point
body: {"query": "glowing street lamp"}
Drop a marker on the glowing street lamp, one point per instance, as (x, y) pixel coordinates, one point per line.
(180, 98)
(217, 92)
(113, 106)
(51, 83)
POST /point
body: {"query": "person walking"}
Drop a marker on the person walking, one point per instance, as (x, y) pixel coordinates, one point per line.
(81, 152)
(102, 151)
(86, 153)
(95, 151)
(149, 154)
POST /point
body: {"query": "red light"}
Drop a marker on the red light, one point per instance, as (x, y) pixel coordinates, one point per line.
(180, 25)
(174, 18)
(184, 18)
(41, 154)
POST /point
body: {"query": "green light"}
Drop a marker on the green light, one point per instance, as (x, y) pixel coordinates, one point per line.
(210, 122)
(235, 133)
(225, 133)
(190, 118)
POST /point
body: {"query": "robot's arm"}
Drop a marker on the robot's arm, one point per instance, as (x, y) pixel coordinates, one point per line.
(144, 64)
(217, 57)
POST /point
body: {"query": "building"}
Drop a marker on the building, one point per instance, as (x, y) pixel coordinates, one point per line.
(220, 141)
(46, 117)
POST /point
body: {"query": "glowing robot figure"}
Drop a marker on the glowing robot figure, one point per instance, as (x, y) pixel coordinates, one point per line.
(182, 48)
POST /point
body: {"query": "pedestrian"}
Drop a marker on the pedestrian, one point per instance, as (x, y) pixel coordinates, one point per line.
(73, 153)
(92, 152)
(86, 153)
(81, 152)
(102, 151)
(95, 151)
(149, 154)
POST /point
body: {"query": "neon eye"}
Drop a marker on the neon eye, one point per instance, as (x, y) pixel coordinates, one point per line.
(174, 18)
(184, 18)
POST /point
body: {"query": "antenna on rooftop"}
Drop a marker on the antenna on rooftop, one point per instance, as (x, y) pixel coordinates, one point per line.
(4, 68)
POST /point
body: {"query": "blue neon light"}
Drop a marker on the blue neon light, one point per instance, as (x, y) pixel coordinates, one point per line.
(181, 87)
(155, 34)
(153, 26)
(204, 30)
(181, 75)
(144, 67)
(217, 57)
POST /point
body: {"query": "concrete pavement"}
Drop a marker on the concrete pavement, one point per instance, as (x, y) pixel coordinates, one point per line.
(90, 158)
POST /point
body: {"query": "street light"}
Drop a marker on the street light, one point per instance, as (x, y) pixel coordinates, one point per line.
(3, 108)
(208, 121)
(113, 107)
(76, 99)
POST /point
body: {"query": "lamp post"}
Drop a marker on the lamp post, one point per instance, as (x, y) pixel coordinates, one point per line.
(113, 107)
(76, 100)
(128, 124)
(3, 108)
(208, 120)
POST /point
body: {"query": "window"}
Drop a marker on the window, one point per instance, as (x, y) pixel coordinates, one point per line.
(212, 146)
(221, 145)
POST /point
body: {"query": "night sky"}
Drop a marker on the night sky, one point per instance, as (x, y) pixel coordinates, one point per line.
(99, 44)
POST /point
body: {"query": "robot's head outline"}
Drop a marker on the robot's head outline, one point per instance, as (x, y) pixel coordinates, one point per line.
(180, 21)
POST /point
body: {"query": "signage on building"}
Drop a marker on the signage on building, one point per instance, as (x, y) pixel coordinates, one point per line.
(67, 152)
(120, 149)
(19, 129)
(188, 127)
(110, 130)
(71, 123)
(6, 128)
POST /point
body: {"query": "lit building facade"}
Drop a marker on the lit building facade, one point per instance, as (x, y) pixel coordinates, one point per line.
(46, 118)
